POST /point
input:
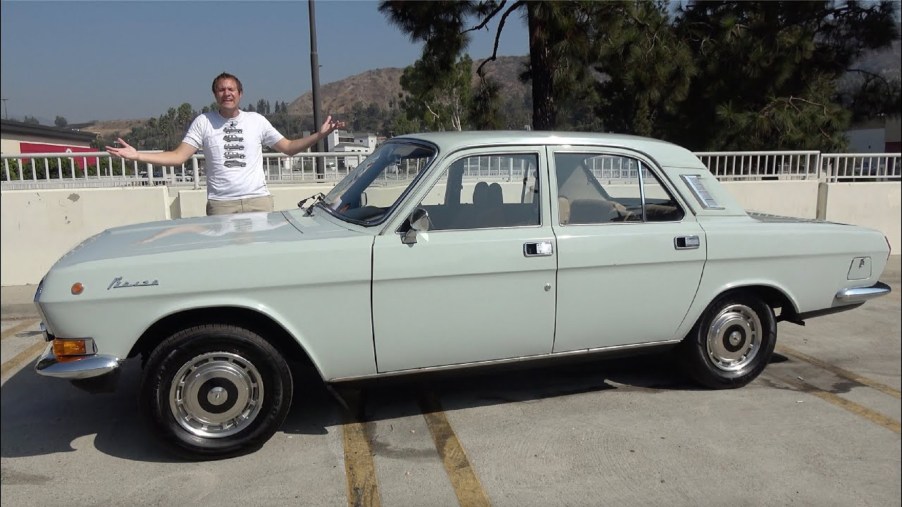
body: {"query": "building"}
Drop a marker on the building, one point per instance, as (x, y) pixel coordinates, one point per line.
(880, 135)
(360, 145)
(18, 138)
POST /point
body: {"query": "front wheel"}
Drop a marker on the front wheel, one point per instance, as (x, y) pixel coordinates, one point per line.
(731, 343)
(216, 390)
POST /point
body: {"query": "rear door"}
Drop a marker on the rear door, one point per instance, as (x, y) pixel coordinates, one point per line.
(630, 255)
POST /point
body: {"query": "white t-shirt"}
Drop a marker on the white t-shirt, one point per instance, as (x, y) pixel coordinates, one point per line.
(233, 149)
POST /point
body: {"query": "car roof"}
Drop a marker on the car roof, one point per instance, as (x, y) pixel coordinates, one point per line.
(663, 152)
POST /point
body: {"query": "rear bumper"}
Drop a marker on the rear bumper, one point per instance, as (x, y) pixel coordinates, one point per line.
(859, 295)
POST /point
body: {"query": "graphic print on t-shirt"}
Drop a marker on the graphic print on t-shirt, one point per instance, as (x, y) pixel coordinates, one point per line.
(234, 149)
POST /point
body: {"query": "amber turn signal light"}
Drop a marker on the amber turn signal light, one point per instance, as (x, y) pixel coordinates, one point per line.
(69, 348)
(77, 288)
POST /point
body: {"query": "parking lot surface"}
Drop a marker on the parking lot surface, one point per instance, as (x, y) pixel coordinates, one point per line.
(821, 426)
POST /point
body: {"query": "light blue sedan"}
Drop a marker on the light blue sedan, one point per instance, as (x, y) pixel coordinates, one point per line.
(442, 251)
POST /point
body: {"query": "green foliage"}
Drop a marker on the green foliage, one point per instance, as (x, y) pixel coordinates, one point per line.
(30, 120)
(60, 122)
(642, 70)
(765, 73)
(437, 100)
(714, 75)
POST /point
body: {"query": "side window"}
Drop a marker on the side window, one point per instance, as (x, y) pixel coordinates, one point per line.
(660, 206)
(486, 191)
(599, 189)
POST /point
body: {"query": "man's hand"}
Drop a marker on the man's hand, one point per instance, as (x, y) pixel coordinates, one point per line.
(126, 151)
(329, 125)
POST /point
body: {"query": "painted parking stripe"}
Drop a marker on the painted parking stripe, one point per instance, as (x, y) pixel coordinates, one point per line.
(22, 358)
(462, 475)
(13, 331)
(836, 370)
(850, 406)
(360, 469)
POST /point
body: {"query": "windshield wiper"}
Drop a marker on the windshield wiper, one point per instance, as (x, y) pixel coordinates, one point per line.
(316, 198)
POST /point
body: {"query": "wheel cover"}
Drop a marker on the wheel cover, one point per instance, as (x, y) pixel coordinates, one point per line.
(734, 338)
(215, 395)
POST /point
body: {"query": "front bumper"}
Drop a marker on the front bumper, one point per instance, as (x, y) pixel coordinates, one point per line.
(90, 366)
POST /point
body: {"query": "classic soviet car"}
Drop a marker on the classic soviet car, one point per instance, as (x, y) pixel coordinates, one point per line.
(441, 251)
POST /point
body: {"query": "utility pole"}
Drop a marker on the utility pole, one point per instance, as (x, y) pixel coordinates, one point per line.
(5, 114)
(314, 72)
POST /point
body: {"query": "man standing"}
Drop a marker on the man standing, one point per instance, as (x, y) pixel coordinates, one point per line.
(232, 141)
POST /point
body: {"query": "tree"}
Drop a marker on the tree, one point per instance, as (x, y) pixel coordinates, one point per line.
(60, 122)
(559, 42)
(641, 70)
(441, 26)
(437, 98)
(485, 111)
(31, 120)
(766, 72)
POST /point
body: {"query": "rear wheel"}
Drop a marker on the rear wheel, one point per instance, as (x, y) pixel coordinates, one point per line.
(731, 343)
(216, 390)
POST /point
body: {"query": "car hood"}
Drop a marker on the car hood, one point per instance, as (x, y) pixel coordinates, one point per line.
(201, 233)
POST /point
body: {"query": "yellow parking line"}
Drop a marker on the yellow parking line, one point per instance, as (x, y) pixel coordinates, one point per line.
(359, 466)
(843, 403)
(463, 478)
(883, 388)
(13, 331)
(24, 357)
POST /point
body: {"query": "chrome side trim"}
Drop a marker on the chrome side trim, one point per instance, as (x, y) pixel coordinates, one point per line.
(862, 294)
(93, 366)
(513, 360)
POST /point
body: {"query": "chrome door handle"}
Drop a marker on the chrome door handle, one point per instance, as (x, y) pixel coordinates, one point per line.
(538, 249)
(686, 242)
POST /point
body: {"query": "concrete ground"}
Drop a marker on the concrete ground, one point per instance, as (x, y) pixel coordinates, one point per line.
(820, 426)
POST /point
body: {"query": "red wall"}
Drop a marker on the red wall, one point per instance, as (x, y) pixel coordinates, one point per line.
(56, 148)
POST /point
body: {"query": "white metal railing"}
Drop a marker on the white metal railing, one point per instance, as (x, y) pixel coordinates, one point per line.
(100, 169)
(861, 167)
(803, 165)
(762, 165)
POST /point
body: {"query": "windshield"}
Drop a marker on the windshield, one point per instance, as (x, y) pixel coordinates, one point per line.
(374, 187)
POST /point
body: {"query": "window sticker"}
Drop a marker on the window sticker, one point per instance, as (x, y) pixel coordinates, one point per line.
(701, 193)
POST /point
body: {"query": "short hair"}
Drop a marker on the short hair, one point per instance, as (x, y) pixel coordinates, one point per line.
(226, 75)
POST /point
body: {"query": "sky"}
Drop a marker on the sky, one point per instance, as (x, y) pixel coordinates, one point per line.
(110, 60)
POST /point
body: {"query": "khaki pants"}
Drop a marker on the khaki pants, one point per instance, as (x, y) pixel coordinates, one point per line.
(239, 205)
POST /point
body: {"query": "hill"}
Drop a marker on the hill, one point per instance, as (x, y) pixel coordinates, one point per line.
(383, 86)
(378, 86)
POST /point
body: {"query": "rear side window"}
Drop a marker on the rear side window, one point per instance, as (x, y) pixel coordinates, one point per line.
(597, 189)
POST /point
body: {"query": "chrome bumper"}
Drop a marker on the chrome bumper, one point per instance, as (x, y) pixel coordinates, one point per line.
(859, 295)
(91, 366)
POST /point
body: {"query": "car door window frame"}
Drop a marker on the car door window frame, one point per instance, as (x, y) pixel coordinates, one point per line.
(643, 162)
(439, 169)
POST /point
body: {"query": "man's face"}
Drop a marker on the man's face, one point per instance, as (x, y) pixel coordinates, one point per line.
(227, 94)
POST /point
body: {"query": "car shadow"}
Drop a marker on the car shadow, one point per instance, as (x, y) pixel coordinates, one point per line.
(42, 416)
(393, 397)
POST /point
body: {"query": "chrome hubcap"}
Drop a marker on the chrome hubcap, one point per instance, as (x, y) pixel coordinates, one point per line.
(216, 394)
(734, 338)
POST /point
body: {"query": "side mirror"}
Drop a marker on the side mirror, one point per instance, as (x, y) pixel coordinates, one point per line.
(419, 221)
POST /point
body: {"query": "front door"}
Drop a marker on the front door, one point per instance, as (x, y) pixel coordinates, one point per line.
(479, 285)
